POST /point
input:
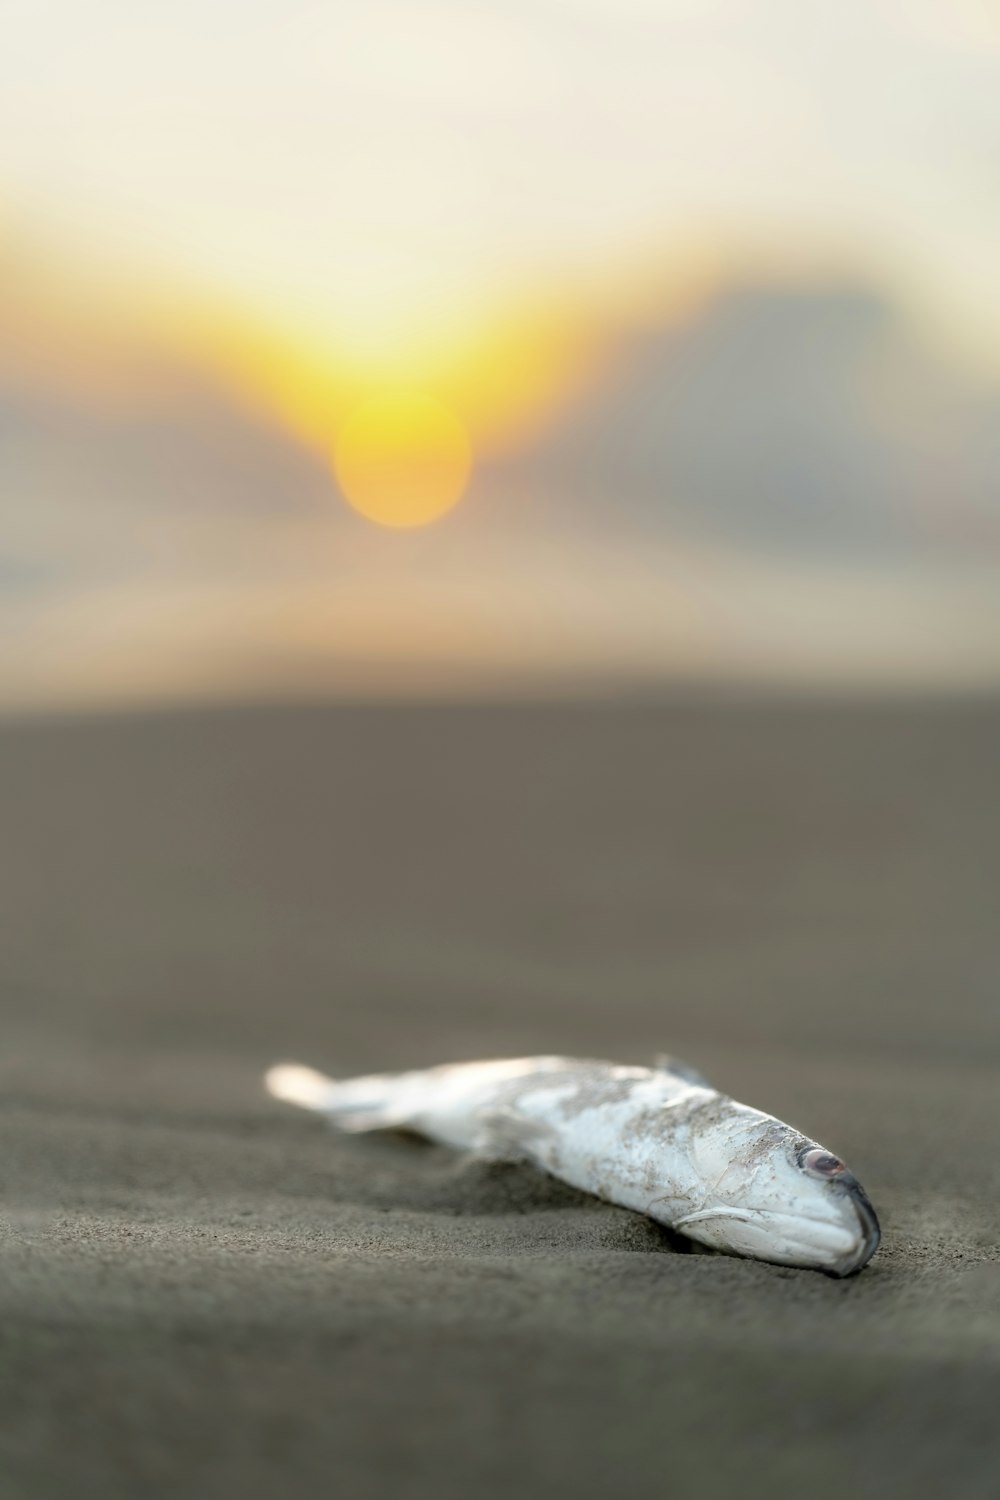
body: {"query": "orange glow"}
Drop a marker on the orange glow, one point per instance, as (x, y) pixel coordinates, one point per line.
(504, 383)
(403, 460)
(128, 338)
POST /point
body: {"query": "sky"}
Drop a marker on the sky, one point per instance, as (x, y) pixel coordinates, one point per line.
(366, 169)
(686, 313)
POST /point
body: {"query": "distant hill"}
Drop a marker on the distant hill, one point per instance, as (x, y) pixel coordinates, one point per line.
(789, 421)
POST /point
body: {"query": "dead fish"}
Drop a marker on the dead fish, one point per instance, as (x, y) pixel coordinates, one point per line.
(659, 1140)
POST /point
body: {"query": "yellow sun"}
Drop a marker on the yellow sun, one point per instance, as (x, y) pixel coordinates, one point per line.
(403, 460)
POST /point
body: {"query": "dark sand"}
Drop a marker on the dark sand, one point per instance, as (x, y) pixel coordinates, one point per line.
(205, 1293)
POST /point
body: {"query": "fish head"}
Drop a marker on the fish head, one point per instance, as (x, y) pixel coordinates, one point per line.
(774, 1195)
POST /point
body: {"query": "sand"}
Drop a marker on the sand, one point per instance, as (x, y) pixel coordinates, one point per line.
(203, 1293)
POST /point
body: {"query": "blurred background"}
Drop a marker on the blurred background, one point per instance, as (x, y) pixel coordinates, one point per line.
(499, 554)
(501, 526)
(422, 348)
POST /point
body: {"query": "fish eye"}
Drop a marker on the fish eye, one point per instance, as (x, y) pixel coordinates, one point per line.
(821, 1163)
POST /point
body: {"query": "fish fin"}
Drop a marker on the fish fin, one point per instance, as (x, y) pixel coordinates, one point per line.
(354, 1105)
(509, 1136)
(664, 1063)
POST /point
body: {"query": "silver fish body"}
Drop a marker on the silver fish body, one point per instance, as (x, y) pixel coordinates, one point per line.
(658, 1140)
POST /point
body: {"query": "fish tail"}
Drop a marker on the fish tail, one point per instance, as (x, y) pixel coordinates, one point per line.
(369, 1103)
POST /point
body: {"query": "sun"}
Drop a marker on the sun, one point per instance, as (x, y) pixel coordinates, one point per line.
(403, 459)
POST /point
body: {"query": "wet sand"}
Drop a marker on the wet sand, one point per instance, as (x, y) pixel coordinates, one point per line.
(205, 1293)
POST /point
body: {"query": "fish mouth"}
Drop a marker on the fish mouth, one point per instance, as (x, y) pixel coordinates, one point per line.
(857, 1215)
(871, 1234)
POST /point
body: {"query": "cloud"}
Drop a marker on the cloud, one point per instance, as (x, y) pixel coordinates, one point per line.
(784, 487)
(790, 422)
(102, 492)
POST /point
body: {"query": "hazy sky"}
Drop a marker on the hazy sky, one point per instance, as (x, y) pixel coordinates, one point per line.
(791, 472)
(787, 488)
(370, 168)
